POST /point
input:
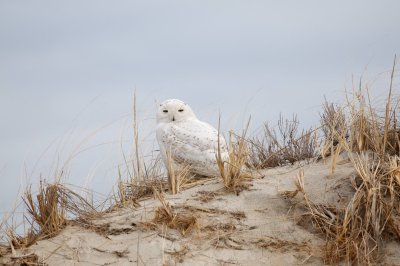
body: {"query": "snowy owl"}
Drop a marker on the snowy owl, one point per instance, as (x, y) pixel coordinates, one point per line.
(188, 140)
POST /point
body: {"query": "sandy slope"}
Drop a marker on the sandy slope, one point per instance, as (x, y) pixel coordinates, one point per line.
(258, 227)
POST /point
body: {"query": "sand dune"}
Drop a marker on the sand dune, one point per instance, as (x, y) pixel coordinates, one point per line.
(260, 226)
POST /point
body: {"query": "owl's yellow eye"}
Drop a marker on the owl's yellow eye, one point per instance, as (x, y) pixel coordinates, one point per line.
(180, 110)
(165, 111)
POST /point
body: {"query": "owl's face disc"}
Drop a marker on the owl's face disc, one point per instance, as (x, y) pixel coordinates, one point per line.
(174, 110)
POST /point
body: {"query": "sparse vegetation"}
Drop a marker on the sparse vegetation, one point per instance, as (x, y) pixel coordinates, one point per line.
(335, 130)
(233, 172)
(358, 232)
(137, 180)
(283, 146)
(49, 210)
(177, 178)
(133, 189)
(183, 221)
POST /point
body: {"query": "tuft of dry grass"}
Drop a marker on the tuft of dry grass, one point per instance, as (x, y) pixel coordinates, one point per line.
(283, 146)
(333, 125)
(48, 211)
(137, 179)
(335, 132)
(183, 221)
(373, 130)
(233, 172)
(177, 179)
(131, 190)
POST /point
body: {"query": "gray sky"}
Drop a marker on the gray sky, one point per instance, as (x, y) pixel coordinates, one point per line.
(69, 68)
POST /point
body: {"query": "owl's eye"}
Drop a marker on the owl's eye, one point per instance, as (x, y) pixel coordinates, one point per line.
(180, 110)
(165, 111)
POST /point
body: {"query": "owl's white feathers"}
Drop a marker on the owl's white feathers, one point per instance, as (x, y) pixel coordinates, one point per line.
(188, 140)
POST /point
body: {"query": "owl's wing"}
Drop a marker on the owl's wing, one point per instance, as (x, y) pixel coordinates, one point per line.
(193, 142)
(199, 135)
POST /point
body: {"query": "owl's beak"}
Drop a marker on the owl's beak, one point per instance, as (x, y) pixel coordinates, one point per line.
(173, 118)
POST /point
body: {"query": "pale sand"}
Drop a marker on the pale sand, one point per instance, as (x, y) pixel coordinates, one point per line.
(269, 234)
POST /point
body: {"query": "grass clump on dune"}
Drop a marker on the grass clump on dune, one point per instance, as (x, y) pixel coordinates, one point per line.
(137, 180)
(55, 204)
(357, 233)
(167, 215)
(234, 171)
(48, 211)
(282, 146)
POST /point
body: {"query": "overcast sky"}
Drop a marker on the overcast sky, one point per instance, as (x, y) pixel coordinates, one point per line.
(68, 70)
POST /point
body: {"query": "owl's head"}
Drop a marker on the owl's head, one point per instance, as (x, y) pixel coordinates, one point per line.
(174, 110)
